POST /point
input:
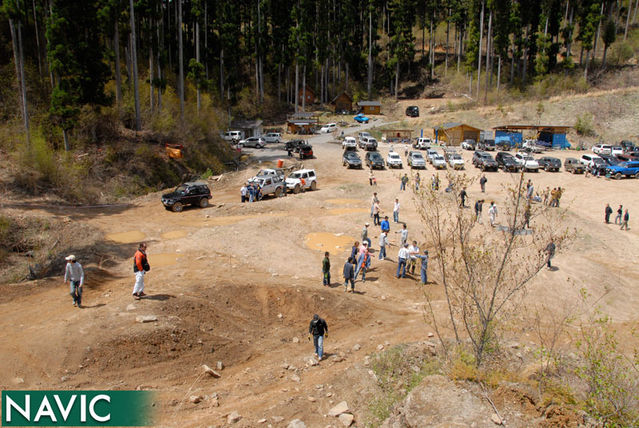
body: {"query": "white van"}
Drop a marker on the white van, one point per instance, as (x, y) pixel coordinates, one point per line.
(328, 128)
(233, 136)
(422, 143)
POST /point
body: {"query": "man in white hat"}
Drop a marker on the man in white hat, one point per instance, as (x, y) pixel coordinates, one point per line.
(75, 275)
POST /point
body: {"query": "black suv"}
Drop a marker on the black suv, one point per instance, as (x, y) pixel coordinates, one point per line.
(351, 159)
(294, 145)
(549, 163)
(412, 111)
(306, 151)
(484, 161)
(192, 193)
(507, 162)
(374, 160)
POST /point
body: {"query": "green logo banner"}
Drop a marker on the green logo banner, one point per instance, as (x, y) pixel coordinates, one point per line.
(76, 408)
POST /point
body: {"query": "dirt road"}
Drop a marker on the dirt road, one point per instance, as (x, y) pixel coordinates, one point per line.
(238, 283)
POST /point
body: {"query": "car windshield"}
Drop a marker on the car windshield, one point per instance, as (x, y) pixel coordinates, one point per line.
(296, 175)
(438, 157)
(180, 189)
(393, 155)
(598, 161)
(456, 157)
(375, 156)
(417, 155)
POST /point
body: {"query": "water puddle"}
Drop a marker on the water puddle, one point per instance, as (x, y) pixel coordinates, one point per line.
(342, 201)
(164, 259)
(340, 211)
(174, 234)
(334, 243)
(126, 237)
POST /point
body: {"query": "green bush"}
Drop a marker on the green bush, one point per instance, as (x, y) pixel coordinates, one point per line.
(584, 125)
(620, 53)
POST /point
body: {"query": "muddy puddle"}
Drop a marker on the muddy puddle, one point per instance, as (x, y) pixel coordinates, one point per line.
(164, 259)
(174, 234)
(126, 237)
(334, 243)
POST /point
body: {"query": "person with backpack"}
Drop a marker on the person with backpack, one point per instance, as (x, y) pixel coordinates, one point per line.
(140, 268)
(349, 275)
(326, 270)
(319, 330)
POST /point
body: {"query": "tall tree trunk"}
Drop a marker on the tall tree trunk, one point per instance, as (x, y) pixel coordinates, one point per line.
(587, 63)
(279, 83)
(180, 59)
(297, 84)
(346, 79)
(625, 32)
(369, 82)
(37, 36)
(197, 58)
(18, 58)
(447, 41)
(118, 75)
(160, 44)
(221, 73)
(151, 88)
(488, 49)
(498, 72)
(134, 63)
(432, 48)
(206, 38)
(594, 50)
(304, 88)
(396, 79)
(634, 15)
(481, 36)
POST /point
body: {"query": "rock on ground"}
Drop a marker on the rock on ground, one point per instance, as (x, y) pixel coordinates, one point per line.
(296, 423)
(346, 419)
(146, 318)
(233, 417)
(339, 409)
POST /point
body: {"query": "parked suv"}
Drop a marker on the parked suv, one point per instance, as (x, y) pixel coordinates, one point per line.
(422, 143)
(416, 160)
(604, 149)
(624, 169)
(574, 165)
(484, 161)
(549, 163)
(507, 162)
(192, 193)
(526, 161)
(273, 137)
(306, 151)
(349, 142)
(301, 180)
(257, 142)
(412, 111)
(393, 160)
(487, 145)
(351, 159)
(270, 185)
(374, 160)
(294, 145)
(368, 143)
(456, 161)
(233, 136)
(328, 128)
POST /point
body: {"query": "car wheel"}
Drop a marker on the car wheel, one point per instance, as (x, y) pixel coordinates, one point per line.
(637, 175)
(177, 207)
(483, 168)
(278, 192)
(297, 189)
(313, 185)
(204, 202)
(618, 176)
(240, 145)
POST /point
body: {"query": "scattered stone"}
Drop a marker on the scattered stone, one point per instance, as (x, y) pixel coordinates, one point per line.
(338, 409)
(280, 316)
(131, 307)
(379, 322)
(380, 347)
(296, 340)
(311, 399)
(387, 343)
(357, 347)
(261, 421)
(64, 378)
(329, 394)
(296, 423)
(209, 371)
(274, 274)
(233, 417)
(346, 419)
(383, 297)
(292, 368)
(195, 399)
(311, 362)
(146, 318)
(295, 378)
(496, 419)
(285, 366)
(514, 345)
(219, 365)
(277, 419)
(431, 334)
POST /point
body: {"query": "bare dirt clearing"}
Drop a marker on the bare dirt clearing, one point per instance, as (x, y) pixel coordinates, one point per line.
(238, 283)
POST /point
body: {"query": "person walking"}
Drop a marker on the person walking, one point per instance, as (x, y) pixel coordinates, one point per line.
(326, 270)
(402, 258)
(424, 266)
(74, 274)
(550, 252)
(619, 214)
(626, 217)
(365, 237)
(463, 195)
(354, 250)
(479, 206)
(319, 330)
(433, 182)
(404, 181)
(607, 213)
(413, 249)
(371, 177)
(527, 216)
(418, 181)
(251, 192)
(363, 262)
(492, 213)
(530, 189)
(403, 235)
(376, 211)
(396, 211)
(349, 275)
(383, 242)
(140, 268)
(244, 193)
(482, 183)
(385, 225)
(374, 200)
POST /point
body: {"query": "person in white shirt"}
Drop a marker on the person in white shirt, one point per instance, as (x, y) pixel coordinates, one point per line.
(414, 250)
(403, 235)
(74, 274)
(396, 211)
(402, 257)
(383, 242)
(244, 193)
(492, 213)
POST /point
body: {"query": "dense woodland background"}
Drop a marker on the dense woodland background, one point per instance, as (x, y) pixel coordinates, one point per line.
(75, 74)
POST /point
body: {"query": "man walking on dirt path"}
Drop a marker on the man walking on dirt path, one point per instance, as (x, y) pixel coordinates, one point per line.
(607, 213)
(550, 252)
(244, 193)
(349, 275)
(140, 267)
(374, 200)
(376, 211)
(626, 217)
(619, 213)
(75, 275)
(479, 206)
(463, 195)
(326, 270)
(319, 330)
(404, 181)
(365, 237)
(492, 213)
(482, 183)
(396, 211)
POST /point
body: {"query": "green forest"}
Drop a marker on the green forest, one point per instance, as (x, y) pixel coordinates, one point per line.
(73, 72)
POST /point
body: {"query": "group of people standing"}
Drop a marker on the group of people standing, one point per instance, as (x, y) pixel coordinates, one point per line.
(251, 192)
(621, 218)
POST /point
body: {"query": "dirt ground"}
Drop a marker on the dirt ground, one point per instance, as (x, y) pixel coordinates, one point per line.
(239, 283)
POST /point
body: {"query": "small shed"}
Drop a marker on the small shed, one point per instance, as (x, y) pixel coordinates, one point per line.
(307, 93)
(548, 135)
(343, 102)
(251, 128)
(397, 135)
(301, 126)
(370, 107)
(454, 133)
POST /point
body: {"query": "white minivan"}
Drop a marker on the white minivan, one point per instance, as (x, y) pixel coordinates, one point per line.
(233, 136)
(328, 128)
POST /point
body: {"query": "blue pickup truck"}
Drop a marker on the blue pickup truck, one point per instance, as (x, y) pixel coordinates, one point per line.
(628, 169)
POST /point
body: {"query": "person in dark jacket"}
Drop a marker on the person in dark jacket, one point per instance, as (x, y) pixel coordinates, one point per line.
(550, 253)
(624, 223)
(140, 267)
(607, 213)
(326, 270)
(319, 330)
(349, 274)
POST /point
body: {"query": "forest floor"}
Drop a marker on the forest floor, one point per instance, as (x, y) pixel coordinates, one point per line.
(239, 283)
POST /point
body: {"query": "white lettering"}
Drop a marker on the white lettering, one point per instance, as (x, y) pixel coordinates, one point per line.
(83, 408)
(92, 408)
(45, 410)
(24, 412)
(65, 411)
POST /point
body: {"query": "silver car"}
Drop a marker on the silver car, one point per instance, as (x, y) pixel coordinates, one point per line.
(257, 142)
